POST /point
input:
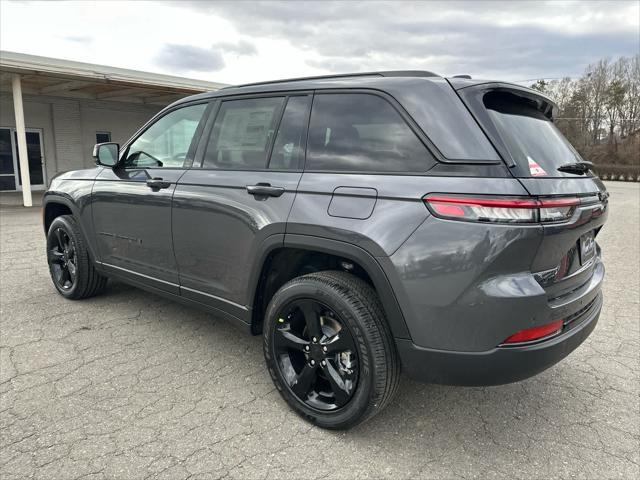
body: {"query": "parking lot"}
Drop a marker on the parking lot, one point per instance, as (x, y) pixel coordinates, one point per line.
(129, 385)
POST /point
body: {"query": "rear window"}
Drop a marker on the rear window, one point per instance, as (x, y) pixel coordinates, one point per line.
(359, 132)
(533, 141)
(437, 109)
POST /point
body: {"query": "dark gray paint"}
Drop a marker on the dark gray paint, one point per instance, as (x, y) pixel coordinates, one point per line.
(132, 223)
(446, 286)
(353, 202)
(218, 229)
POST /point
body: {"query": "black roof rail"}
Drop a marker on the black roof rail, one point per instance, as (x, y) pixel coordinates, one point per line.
(389, 73)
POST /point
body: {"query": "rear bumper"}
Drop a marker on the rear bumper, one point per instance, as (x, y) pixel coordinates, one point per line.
(499, 365)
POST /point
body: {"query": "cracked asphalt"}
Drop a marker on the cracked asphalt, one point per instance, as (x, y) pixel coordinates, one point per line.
(129, 385)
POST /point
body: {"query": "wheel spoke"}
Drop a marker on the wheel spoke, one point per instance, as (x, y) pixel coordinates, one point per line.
(341, 387)
(59, 239)
(72, 270)
(55, 256)
(304, 381)
(64, 276)
(311, 312)
(340, 343)
(286, 339)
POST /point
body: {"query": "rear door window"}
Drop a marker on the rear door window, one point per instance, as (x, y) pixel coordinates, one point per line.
(533, 141)
(360, 132)
(243, 133)
(288, 150)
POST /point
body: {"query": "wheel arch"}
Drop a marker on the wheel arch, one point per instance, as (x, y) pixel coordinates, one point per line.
(301, 248)
(56, 205)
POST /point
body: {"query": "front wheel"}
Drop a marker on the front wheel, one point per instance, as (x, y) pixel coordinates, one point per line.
(329, 350)
(70, 266)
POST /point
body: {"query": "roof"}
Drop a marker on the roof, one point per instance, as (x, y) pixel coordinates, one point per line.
(387, 73)
(47, 75)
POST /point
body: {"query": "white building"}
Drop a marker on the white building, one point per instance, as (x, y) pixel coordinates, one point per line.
(53, 111)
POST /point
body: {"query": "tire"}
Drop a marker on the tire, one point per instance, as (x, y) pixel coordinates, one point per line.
(357, 307)
(84, 281)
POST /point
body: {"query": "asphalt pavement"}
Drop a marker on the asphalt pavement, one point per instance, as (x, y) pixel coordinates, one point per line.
(129, 385)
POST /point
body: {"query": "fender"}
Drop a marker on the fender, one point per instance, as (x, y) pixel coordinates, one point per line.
(77, 211)
(338, 248)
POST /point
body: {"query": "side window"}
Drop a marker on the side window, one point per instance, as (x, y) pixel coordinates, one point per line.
(362, 133)
(288, 150)
(242, 134)
(166, 142)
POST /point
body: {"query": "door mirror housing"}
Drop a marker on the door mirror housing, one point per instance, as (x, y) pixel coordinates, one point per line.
(106, 154)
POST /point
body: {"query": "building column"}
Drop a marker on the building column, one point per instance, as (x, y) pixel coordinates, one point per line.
(22, 141)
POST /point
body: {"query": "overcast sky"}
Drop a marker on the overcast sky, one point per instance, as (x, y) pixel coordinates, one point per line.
(242, 41)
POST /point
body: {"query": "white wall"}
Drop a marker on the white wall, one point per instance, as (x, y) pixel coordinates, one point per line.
(69, 126)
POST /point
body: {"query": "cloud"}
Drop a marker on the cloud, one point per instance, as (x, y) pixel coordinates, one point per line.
(197, 59)
(84, 39)
(241, 48)
(506, 39)
(189, 58)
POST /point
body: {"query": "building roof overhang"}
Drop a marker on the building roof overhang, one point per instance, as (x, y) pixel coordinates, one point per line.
(66, 78)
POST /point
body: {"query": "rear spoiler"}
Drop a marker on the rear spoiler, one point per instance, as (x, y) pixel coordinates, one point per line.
(544, 103)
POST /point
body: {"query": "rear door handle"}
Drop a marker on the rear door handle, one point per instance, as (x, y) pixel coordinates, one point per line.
(157, 183)
(265, 189)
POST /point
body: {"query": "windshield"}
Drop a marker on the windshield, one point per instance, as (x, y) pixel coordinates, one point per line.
(534, 142)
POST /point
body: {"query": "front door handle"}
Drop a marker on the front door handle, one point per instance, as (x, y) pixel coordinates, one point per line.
(265, 189)
(157, 183)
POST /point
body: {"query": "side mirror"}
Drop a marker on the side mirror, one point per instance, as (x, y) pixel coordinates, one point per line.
(106, 154)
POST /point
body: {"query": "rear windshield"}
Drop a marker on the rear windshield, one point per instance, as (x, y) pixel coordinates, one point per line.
(534, 142)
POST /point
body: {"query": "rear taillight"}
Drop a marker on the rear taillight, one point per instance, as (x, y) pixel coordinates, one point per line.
(500, 209)
(535, 333)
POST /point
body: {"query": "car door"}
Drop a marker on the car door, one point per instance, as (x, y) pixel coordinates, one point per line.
(131, 203)
(238, 197)
(362, 181)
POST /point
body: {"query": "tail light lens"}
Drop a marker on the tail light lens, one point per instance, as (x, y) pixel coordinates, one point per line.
(501, 209)
(535, 333)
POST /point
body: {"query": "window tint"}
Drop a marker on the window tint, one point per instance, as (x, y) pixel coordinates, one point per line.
(242, 134)
(167, 141)
(288, 150)
(362, 132)
(442, 116)
(532, 139)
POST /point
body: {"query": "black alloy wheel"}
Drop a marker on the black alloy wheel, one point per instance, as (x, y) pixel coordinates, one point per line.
(329, 349)
(72, 271)
(316, 354)
(63, 260)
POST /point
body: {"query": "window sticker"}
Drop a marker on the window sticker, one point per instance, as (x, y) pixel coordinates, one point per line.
(535, 169)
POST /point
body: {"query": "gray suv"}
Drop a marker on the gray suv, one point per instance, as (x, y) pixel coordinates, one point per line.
(364, 224)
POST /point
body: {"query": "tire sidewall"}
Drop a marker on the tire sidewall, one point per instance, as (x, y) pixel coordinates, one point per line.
(314, 289)
(64, 224)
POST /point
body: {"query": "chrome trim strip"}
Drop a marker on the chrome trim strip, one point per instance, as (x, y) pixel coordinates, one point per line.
(220, 299)
(148, 277)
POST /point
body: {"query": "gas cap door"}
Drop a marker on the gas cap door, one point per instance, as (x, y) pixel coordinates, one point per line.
(353, 202)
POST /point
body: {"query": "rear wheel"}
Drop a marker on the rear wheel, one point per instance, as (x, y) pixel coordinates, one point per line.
(329, 350)
(70, 266)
